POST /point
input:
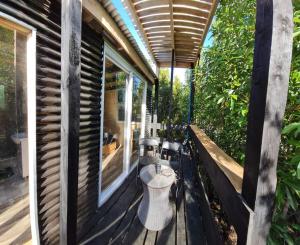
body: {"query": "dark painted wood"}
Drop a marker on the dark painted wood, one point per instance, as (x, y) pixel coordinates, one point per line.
(92, 46)
(156, 96)
(231, 200)
(271, 68)
(171, 93)
(119, 223)
(211, 231)
(192, 95)
(180, 215)
(168, 235)
(120, 233)
(70, 117)
(137, 233)
(36, 14)
(194, 226)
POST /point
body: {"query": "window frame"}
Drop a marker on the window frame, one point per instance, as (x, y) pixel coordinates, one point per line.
(30, 32)
(111, 54)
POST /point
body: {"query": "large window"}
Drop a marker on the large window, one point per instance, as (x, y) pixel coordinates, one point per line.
(15, 81)
(123, 121)
(138, 88)
(113, 124)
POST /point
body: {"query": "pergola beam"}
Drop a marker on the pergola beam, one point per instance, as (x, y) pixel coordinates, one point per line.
(270, 78)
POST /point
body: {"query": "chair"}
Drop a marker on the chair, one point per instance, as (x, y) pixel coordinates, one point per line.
(145, 146)
(171, 149)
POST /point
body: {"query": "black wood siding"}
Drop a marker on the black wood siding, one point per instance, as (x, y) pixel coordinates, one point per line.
(148, 110)
(44, 15)
(90, 101)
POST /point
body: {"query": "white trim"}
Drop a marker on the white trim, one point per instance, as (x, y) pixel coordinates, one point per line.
(31, 121)
(31, 117)
(101, 128)
(128, 118)
(143, 111)
(118, 60)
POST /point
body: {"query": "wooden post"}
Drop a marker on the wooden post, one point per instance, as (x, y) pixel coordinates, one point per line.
(70, 112)
(192, 95)
(156, 96)
(171, 95)
(271, 68)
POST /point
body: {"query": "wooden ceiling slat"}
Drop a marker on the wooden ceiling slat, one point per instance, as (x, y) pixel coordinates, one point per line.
(156, 23)
(192, 11)
(155, 16)
(178, 24)
(148, 11)
(146, 4)
(189, 17)
(196, 4)
(188, 29)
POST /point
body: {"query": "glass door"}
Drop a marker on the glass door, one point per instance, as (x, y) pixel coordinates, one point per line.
(136, 125)
(112, 165)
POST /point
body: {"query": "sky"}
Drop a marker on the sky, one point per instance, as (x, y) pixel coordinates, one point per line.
(180, 72)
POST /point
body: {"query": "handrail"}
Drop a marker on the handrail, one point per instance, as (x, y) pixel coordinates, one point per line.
(229, 166)
(226, 177)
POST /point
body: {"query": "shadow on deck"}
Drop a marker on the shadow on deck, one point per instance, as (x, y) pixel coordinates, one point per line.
(118, 222)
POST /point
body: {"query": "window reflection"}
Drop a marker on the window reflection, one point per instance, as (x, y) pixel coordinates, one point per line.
(14, 198)
(136, 117)
(113, 124)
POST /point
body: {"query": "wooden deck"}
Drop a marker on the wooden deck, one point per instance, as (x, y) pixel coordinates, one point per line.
(15, 223)
(118, 222)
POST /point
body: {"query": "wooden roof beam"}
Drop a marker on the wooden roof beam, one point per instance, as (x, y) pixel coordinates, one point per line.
(100, 14)
(131, 9)
(172, 31)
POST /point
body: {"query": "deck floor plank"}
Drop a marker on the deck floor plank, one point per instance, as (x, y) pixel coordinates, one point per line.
(150, 238)
(120, 224)
(122, 229)
(194, 225)
(168, 235)
(103, 231)
(180, 209)
(137, 233)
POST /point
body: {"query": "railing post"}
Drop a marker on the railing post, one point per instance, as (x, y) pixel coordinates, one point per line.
(70, 117)
(271, 68)
(171, 95)
(192, 95)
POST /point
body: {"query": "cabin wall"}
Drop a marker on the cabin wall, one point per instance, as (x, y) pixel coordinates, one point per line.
(90, 111)
(45, 16)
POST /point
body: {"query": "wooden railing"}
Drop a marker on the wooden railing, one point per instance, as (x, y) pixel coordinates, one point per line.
(226, 177)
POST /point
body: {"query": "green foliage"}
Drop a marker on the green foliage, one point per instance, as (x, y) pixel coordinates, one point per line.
(223, 78)
(180, 99)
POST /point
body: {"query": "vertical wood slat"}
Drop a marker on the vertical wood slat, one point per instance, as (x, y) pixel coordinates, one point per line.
(155, 111)
(271, 68)
(90, 110)
(70, 117)
(192, 95)
(171, 92)
(44, 15)
(148, 110)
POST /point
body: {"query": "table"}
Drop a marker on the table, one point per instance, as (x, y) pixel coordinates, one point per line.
(155, 211)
